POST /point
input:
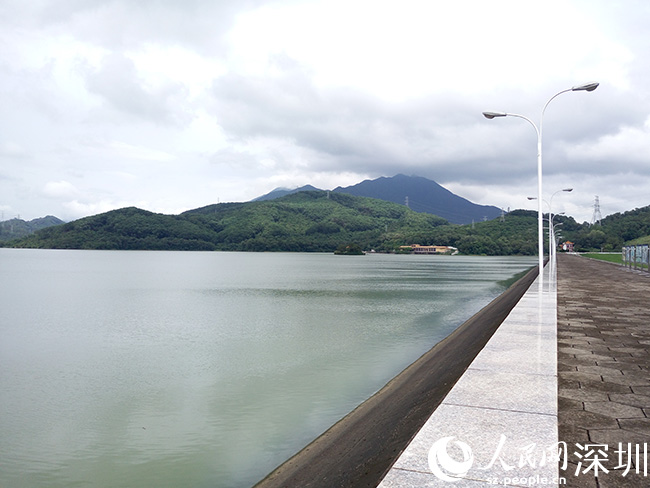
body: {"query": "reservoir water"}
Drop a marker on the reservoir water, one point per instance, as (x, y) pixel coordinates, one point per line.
(207, 369)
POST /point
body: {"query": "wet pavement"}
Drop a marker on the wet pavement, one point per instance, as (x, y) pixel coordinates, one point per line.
(603, 320)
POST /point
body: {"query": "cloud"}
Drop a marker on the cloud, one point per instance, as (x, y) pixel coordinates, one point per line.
(130, 151)
(118, 83)
(60, 189)
(342, 129)
(623, 151)
(171, 104)
(9, 149)
(124, 24)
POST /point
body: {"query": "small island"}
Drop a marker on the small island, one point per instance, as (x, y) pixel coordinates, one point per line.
(349, 250)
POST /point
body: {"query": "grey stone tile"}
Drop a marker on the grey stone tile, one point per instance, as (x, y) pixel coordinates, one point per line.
(506, 391)
(580, 376)
(583, 360)
(641, 426)
(482, 431)
(628, 379)
(533, 357)
(587, 420)
(612, 437)
(616, 479)
(614, 410)
(571, 434)
(600, 370)
(643, 390)
(583, 395)
(401, 478)
(635, 400)
(567, 403)
(605, 386)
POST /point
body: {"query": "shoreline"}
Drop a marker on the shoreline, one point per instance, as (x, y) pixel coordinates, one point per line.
(359, 449)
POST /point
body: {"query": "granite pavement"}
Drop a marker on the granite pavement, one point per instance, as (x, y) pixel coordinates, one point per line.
(603, 320)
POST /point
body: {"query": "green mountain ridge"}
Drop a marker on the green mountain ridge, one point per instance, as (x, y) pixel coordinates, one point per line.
(420, 194)
(16, 228)
(320, 221)
(306, 221)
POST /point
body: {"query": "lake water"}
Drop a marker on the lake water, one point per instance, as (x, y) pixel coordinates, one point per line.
(167, 369)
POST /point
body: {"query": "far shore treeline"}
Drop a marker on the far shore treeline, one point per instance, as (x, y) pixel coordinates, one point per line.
(320, 221)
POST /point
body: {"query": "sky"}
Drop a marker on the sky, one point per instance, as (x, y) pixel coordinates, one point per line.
(170, 105)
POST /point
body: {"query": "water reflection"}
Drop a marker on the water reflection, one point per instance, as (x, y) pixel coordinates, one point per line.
(206, 369)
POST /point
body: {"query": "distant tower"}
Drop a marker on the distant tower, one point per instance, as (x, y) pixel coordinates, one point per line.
(406, 201)
(503, 216)
(597, 216)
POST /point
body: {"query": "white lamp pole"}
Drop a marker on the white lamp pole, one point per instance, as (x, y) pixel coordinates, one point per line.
(551, 238)
(540, 223)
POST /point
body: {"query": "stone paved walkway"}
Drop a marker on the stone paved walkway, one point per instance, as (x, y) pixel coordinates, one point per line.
(603, 321)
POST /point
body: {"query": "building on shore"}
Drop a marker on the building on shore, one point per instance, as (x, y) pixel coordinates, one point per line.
(418, 249)
(567, 246)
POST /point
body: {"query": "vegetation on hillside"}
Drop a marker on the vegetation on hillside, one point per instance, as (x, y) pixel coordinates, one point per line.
(16, 228)
(306, 221)
(323, 221)
(611, 234)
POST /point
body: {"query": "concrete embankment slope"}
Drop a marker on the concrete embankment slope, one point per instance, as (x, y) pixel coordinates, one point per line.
(498, 425)
(360, 449)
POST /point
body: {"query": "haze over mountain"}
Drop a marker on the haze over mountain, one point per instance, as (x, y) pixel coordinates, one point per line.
(418, 193)
(16, 228)
(282, 192)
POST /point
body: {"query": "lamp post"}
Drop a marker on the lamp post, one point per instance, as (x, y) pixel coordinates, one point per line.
(551, 233)
(551, 239)
(552, 250)
(540, 225)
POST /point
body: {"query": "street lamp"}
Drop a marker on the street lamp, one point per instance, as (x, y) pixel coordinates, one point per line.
(552, 250)
(551, 239)
(540, 225)
(551, 233)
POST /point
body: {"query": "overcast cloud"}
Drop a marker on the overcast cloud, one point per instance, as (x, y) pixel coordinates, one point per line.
(170, 105)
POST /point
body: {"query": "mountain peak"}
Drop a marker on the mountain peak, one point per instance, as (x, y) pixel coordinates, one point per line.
(423, 195)
(281, 192)
(417, 192)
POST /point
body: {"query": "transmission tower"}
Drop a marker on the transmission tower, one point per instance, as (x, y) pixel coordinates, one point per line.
(597, 216)
(406, 202)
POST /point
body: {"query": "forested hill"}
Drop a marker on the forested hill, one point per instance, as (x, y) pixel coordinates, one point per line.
(306, 221)
(15, 228)
(418, 193)
(321, 221)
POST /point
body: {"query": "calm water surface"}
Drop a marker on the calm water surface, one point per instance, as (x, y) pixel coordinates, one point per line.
(166, 369)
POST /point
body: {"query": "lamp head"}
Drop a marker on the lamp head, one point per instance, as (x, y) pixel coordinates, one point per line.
(586, 87)
(568, 189)
(491, 115)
